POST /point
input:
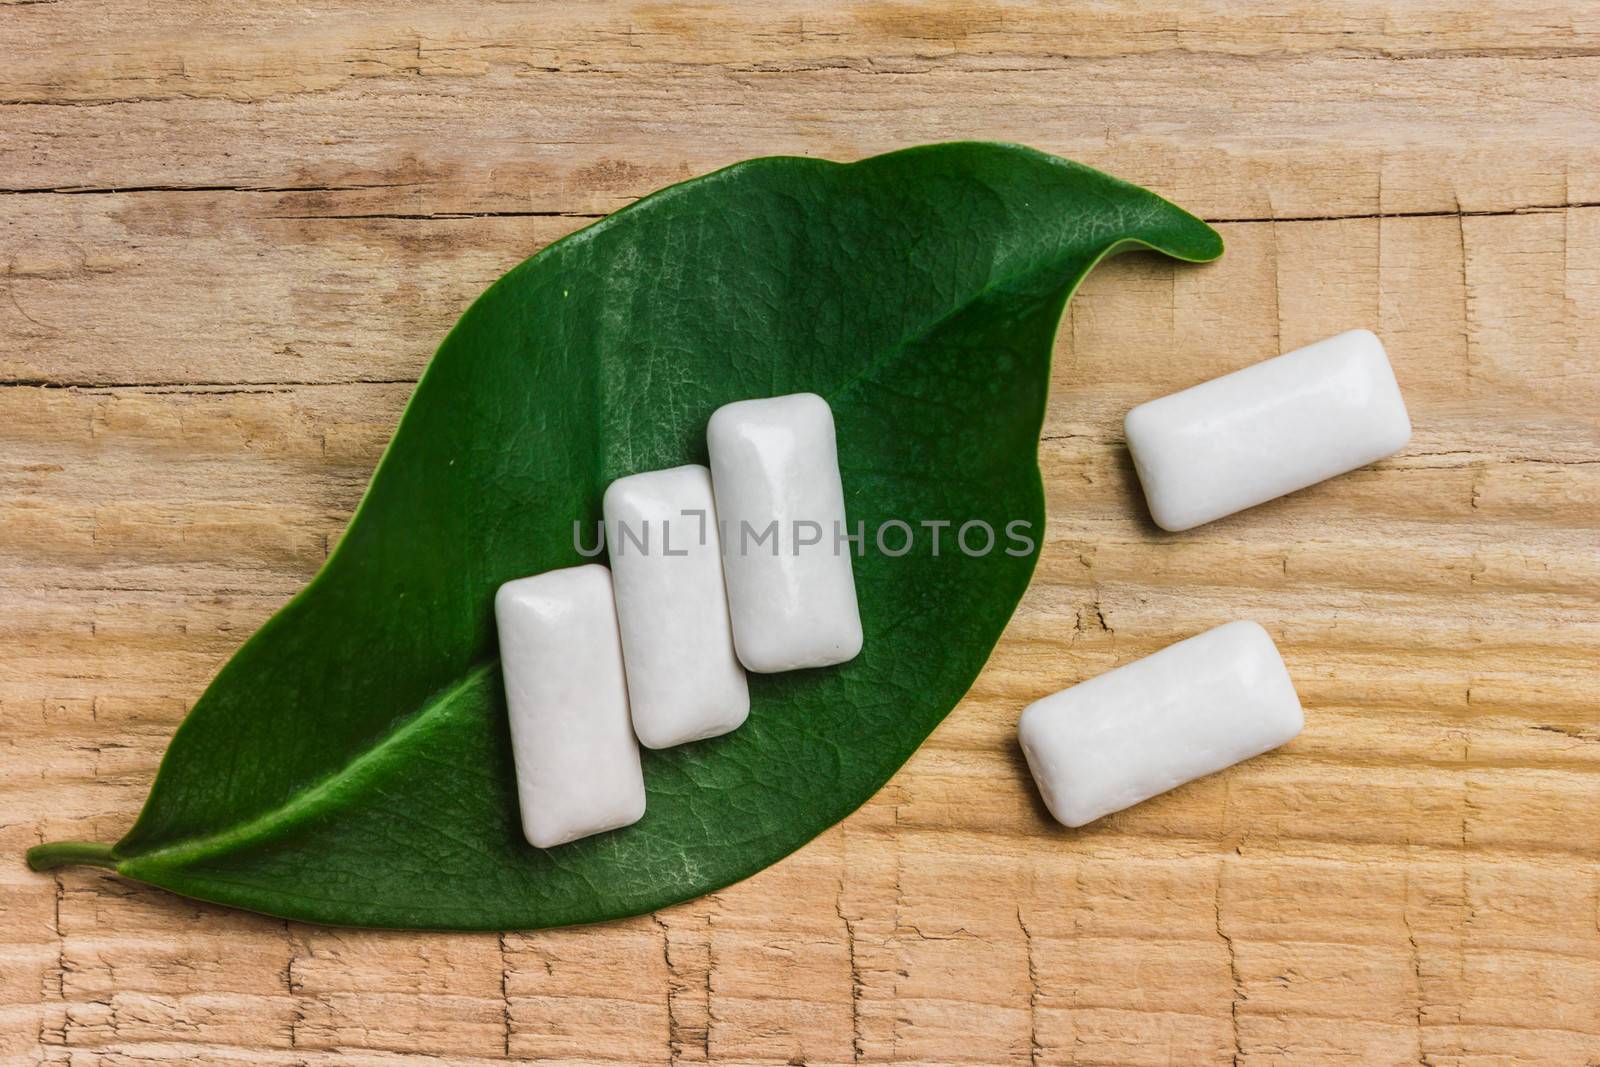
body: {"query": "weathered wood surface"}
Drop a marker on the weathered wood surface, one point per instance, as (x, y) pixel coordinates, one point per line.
(231, 235)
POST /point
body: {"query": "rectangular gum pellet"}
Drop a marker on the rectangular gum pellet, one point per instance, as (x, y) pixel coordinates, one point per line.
(684, 681)
(1148, 726)
(791, 592)
(577, 762)
(1269, 429)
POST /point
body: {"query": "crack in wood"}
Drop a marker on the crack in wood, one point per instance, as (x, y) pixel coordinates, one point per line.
(689, 1017)
(119, 190)
(857, 983)
(1223, 220)
(909, 64)
(1035, 1049)
(674, 1037)
(1233, 969)
(198, 388)
(1416, 964)
(297, 1016)
(505, 998)
(443, 216)
(1457, 212)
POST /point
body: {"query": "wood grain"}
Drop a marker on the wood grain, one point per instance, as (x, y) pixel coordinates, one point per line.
(231, 237)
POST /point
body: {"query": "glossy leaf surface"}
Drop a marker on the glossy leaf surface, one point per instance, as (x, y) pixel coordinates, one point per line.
(351, 763)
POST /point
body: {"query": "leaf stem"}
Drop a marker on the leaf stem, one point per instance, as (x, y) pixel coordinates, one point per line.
(61, 853)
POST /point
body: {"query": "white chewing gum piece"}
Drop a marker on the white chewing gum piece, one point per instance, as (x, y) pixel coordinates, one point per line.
(1269, 429)
(577, 761)
(684, 681)
(791, 593)
(1148, 726)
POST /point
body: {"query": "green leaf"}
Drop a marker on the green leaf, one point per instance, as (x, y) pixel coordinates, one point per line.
(351, 763)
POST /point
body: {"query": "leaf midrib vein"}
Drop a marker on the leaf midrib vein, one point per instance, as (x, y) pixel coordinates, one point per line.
(309, 799)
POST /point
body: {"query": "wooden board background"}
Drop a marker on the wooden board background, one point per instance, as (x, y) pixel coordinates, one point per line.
(231, 234)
